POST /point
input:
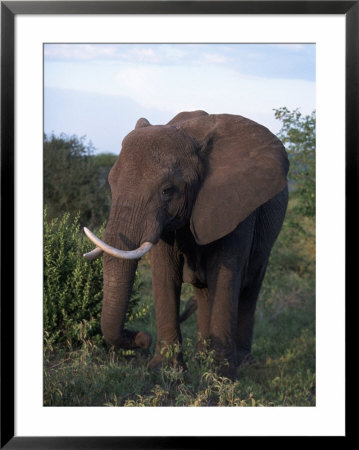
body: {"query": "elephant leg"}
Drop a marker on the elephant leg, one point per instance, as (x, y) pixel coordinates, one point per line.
(166, 285)
(203, 317)
(269, 220)
(246, 310)
(225, 273)
(223, 296)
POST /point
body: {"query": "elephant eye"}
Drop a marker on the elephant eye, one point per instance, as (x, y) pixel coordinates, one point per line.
(167, 192)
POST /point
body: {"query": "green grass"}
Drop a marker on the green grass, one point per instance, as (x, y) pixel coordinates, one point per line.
(283, 374)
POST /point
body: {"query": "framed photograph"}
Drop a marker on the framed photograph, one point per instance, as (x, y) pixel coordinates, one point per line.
(76, 77)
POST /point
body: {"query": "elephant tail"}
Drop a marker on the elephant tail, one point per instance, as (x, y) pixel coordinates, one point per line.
(191, 306)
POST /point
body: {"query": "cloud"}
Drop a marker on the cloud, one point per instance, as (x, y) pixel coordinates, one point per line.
(79, 52)
(135, 53)
(144, 54)
(217, 90)
(290, 47)
(216, 58)
(274, 60)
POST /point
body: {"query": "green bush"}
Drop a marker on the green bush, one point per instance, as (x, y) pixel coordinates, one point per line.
(73, 286)
(298, 134)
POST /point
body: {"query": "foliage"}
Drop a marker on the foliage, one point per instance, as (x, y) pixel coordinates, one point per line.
(299, 138)
(104, 160)
(103, 163)
(75, 179)
(73, 286)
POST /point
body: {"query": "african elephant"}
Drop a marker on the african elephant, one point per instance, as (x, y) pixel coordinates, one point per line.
(207, 194)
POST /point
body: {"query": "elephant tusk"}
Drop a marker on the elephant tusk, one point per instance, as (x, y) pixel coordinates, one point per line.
(132, 254)
(95, 253)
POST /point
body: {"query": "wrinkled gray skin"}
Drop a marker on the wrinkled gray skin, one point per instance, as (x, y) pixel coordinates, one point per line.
(210, 191)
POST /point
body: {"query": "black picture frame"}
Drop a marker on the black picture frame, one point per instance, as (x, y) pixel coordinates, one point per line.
(9, 9)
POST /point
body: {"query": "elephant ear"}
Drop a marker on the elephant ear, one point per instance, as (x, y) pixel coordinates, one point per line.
(246, 166)
(141, 123)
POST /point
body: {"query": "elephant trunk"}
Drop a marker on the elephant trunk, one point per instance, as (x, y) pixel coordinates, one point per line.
(118, 279)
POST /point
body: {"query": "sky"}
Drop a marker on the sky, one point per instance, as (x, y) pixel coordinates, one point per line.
(100, 90)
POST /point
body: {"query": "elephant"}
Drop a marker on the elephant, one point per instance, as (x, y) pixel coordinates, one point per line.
(206, 194)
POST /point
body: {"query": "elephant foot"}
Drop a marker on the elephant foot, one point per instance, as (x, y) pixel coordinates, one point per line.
(143, 340)
(227, 371)
(156, 363)
(129, 339)
(245, 359)
(225, 367)
(167, 358)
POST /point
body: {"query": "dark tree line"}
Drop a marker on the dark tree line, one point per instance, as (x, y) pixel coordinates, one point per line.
(75, 179)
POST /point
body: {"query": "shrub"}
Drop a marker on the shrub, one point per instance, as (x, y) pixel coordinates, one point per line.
(73, 286)
(298, 134)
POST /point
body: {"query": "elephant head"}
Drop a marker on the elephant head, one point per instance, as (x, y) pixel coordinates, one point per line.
(207, 171)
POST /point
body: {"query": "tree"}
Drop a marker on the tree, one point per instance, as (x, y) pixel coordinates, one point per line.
(298, 136)
(103, 163)
(74, 181)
